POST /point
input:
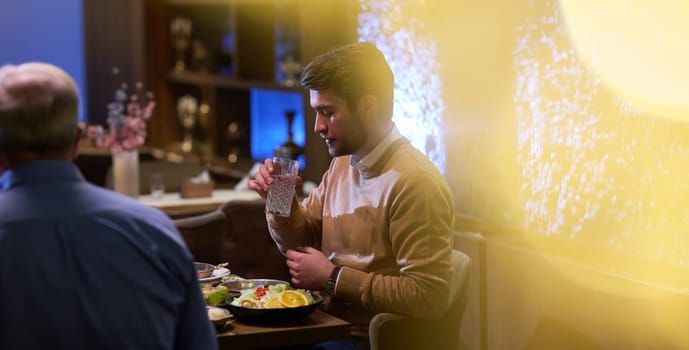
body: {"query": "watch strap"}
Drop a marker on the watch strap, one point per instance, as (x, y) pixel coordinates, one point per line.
(331, 283)
(335, 273)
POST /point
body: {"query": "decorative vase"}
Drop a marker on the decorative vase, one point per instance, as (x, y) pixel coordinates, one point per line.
(289, 149)
(125, 172)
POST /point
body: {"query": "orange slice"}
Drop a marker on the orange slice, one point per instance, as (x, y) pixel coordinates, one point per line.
(273, 303)
(291, 298)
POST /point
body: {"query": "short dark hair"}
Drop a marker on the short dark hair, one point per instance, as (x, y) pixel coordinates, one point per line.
(351, 72)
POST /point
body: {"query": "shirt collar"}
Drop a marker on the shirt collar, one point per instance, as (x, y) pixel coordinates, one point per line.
(372, 157)
(5, 180)
(39, 171)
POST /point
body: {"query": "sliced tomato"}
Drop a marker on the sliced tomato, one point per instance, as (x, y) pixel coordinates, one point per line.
(261, 291)
(247, 303)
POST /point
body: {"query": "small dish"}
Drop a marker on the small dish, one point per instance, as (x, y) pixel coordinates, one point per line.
(218, 316)
(216, 275)
(203, 270)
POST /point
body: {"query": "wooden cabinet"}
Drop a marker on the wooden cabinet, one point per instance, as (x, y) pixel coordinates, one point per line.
(245, 41)
(132, 38)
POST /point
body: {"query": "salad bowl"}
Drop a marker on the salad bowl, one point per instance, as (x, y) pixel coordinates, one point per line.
(251, 313)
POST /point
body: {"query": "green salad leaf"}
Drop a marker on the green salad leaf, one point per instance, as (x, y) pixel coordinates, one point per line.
(217, 296)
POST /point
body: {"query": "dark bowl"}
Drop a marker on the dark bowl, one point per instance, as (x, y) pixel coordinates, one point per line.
(263, 316)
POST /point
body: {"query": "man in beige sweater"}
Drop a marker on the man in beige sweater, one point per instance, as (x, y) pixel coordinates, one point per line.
(376, 233)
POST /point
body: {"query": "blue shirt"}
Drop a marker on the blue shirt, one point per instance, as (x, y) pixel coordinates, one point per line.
(82, 267)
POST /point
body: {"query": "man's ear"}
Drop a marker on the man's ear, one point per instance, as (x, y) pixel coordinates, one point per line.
(368, 107)
(75, 148)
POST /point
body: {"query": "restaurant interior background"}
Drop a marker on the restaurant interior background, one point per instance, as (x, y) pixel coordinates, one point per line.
(573, 196)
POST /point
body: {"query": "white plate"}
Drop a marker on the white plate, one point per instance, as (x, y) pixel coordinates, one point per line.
(216, 275)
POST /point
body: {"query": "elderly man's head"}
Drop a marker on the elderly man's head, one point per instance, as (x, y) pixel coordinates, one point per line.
(39, 106)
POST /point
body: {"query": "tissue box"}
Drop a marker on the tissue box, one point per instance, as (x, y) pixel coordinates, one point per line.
(190, 189)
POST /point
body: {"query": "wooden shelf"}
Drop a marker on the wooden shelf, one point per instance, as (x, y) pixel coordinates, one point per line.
(244, 39)
(240, 37)
(226, 82)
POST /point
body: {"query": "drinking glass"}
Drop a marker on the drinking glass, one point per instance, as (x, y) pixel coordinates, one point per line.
(282, 190)
(157, 185)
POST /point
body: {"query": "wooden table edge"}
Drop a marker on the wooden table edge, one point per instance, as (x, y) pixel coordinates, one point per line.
(282, 335)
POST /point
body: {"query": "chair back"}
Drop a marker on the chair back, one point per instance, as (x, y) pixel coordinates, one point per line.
(391, 331)
(246, 243)
(203, 235)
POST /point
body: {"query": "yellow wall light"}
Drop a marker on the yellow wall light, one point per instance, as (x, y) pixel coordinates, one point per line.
(639, 48)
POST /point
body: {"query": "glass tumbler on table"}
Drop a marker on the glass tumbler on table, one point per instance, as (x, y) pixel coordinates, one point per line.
(282, 190)
(157, 185)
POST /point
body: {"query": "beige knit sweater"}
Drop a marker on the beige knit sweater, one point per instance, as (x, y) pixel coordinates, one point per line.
(390, 228)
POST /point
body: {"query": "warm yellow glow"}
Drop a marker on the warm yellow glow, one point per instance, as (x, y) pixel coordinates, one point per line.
(542, 143)
(592, 167)
(399, 31)
(604, 190)
(638, 47)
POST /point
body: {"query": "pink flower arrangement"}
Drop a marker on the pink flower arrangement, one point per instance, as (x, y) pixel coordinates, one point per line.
(127, 118)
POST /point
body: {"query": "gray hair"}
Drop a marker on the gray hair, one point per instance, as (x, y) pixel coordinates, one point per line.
(39, 105)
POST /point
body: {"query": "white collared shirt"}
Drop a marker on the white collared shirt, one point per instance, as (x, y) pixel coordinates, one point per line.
(372, 157)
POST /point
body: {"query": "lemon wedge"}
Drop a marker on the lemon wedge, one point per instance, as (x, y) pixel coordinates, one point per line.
(273, 303)
(291, 298)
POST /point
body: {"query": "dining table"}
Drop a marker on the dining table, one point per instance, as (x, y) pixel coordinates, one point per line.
(173, 204)
(315, 327)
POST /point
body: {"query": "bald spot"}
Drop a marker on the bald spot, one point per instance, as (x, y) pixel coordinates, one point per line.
(25, 85)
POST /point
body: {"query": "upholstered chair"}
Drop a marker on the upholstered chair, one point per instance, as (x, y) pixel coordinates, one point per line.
(203, 235)
(246, 243)
(388, 331)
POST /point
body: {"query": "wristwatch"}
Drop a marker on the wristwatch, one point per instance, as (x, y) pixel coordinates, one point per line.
(332, 281)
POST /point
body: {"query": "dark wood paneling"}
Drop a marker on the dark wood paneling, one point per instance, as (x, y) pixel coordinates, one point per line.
(113, 41)
(235, 107)
(255, 40)
(164, 129)
(323, 25)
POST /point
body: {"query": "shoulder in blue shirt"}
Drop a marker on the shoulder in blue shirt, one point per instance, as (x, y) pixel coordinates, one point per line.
(83, 267)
